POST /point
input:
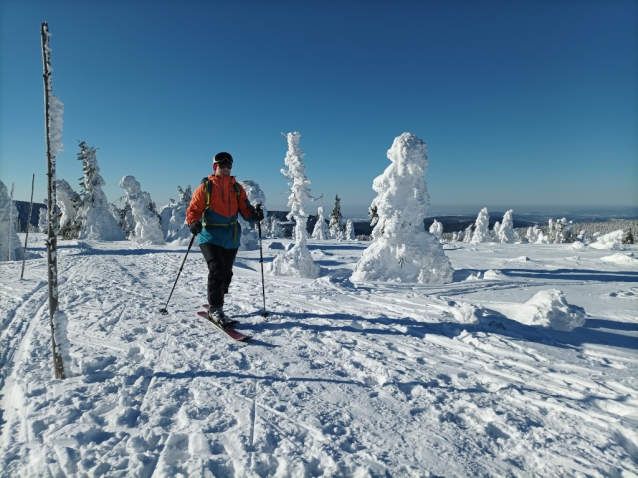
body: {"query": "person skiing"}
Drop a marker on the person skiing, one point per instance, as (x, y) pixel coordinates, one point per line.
(212, 216)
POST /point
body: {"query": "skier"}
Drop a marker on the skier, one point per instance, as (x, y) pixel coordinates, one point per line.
(212, 215)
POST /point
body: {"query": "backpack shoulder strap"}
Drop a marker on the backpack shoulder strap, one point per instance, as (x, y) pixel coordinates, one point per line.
(208, 185)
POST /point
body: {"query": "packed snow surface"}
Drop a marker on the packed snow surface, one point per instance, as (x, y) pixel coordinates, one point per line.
(368, 379)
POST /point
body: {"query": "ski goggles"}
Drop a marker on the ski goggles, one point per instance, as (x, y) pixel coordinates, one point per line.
(225, 165)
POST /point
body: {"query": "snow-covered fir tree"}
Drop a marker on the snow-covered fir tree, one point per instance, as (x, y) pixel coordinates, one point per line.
(250, 233)
(275, 231)
(93, 216)
(402, 250)
(69, 203)
(42, 219)
(482, 231)
(336, 218)
(297, 261)
(373, 215)
(506, 230)
(436, 229)
(173, 216)
(349, 231)
(320, 232)
(494, 231)
(147, 220)
(467, 234)
(532, 234)
(10, 247)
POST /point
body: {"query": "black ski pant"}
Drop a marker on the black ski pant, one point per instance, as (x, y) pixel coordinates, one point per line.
(220, 271)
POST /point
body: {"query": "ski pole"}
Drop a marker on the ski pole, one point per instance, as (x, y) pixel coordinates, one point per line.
(261, 261)
(164, 311)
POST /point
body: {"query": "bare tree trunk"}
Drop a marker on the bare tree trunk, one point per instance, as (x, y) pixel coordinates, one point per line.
(52, 260)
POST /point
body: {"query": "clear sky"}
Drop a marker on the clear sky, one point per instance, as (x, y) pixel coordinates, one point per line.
(521, 103)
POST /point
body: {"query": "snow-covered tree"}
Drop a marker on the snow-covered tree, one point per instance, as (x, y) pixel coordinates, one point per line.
(250, 234)
(336, 218)
(42, 219)
(402, 250)
(532, 234)
(506, 230)
(69, 203)
(482, 231)
(320, 232)
(10, 247)
(147, 221)
(495, 230)
(436, 229)
(173, 216)
(275, 231)
(297, 261)
(349, 231)
(467, 234)
(94, 218)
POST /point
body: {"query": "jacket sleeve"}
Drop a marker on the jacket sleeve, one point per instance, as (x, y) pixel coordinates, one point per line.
(245, 207)
(197, 206)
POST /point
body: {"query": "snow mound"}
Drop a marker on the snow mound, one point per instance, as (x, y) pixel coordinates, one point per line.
(621, 258)
(549, 308)
(577, 245)
(464, 313)
(520, 259)
(276, 245)
(493, 275)
(613, 240)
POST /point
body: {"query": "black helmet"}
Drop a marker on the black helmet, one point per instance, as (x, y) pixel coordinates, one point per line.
(223, 158)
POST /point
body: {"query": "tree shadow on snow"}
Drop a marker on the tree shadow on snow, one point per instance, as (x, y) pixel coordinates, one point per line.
(244, 376)
(595, 331)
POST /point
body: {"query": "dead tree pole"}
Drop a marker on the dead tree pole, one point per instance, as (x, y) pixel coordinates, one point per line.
(52, 260)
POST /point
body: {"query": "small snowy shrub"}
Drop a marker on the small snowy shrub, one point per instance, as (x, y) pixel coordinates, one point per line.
(549, 308)
(613, 240)
(402, 250)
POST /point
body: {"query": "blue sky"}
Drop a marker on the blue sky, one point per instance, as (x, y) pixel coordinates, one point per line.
(522, 103)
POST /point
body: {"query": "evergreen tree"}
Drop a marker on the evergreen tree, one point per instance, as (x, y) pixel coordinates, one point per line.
(336, 218)
(320, 232)
(349, 231)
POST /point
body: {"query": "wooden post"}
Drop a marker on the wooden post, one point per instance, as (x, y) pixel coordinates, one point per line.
(52, 260)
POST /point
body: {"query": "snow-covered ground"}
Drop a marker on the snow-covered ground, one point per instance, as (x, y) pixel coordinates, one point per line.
(342, 379)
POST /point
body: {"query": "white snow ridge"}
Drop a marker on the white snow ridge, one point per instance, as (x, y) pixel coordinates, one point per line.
(402, 250)
(549, 308)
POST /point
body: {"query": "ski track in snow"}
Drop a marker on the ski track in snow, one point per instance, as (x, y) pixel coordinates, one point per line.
(370, 379)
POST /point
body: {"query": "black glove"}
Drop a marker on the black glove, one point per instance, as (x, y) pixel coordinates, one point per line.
(257, 214)
(196, 227)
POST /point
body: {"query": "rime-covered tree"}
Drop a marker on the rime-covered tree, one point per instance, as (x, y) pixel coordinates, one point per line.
(482, 231)
(10, 247)
(275, 231)
(506, 230)
(94, 218)
(69, 203)
(173, 216)
(436, 229)
(402, 250)
(250, 233)
(467, 234)
(349, 231)
(147, 221)
(297, 261)
(336, 218)
(320, 232)
(42, 219)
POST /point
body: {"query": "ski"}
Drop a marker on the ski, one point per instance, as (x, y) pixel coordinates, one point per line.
(232, 333)
(230, 322)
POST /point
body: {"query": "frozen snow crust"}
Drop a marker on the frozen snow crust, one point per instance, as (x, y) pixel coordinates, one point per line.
(402, 251)
(342, 379)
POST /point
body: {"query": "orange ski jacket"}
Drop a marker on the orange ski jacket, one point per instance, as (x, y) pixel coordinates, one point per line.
(227, 199)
